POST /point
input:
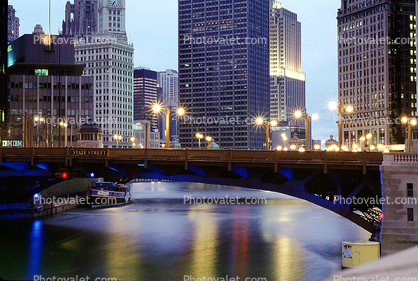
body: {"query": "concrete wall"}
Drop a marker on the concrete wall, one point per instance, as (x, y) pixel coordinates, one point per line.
(397, 171)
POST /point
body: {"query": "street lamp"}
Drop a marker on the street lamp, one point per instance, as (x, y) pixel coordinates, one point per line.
(133, 141)
(362, 139)
(117, 138)
(199, 137)
(39, 120)
(64, 125)
(410, 122)
(284, 137)
(299, 114)
(368, 137)
(341, 108)
(260, 121)
(157, 108)
(209, 139)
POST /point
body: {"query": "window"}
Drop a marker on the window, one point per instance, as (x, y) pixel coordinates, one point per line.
(410, 189)
(410, 214)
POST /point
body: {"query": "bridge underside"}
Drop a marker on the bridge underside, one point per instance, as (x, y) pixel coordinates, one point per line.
(309, 182)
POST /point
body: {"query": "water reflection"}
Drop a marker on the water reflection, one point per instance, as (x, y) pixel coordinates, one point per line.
(36, 249)
(157, 237)
(204, 249)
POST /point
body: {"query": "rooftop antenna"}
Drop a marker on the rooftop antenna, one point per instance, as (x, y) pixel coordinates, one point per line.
(49, 37)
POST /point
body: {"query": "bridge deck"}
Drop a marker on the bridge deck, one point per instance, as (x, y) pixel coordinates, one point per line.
(175, 156)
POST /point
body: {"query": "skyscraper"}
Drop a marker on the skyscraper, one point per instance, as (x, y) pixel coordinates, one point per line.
(224, 71)
(377, 68)
(287, 81)
(145, 95)
(169, 82)
(3, 67)
(109, 58)
(13, 24)
(80, 18)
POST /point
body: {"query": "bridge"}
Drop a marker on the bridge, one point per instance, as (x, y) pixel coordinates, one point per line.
(316, 176)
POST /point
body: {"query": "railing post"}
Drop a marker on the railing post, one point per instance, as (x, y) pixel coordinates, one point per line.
(230, 160)
(326, 162)
(186, 162)
(71, 156)
(364, 163)
(276, 165)
(146, 159)
(66, 156)
(107, 158)
(32, 156)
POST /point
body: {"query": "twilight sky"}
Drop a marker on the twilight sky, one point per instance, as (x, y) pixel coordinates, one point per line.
(152, 27)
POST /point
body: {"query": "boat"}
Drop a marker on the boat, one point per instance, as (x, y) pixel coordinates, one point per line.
(108, 194)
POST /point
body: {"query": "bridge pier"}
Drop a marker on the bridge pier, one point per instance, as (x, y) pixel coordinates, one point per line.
(399, 173)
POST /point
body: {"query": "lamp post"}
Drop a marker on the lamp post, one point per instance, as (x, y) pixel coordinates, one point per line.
(284, 137)
(133, 141)
(341, 108)
(39, 120)
(117, 138)
(260, 121)
(299, 114)
(64, 125)
(410, 122)
(157, 108)
(199, 137)
(209, 139)
(362, 139)
(368, 137)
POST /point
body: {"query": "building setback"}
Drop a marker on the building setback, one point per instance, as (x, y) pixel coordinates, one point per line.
(224, 71)
(13, 25)
(46, 83)
(287, 81)
(145, 96)
(377, 68)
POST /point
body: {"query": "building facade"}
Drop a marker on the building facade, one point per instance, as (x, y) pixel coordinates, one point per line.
(287, 81)
(377, 69)
(169, 82)
(224, 71)
(3, 68)
(145, 95)
(48, 96)
(81, 18)
(13, 24)
(110, 62)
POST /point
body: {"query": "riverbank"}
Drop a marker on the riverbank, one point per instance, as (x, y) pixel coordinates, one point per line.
(59, 198)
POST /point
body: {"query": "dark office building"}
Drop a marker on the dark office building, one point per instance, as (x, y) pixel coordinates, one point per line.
(46, 86)
(145, 95)
(224, 71)
(377, 69)
(3, 66)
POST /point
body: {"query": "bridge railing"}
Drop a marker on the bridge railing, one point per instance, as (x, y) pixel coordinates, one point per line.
(400, 158)
(259, 156)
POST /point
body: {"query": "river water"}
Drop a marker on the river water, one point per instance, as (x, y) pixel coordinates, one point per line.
(157, 237)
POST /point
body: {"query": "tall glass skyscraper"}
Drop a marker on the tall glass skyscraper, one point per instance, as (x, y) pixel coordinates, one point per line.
(224, 71)
(287, 80)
